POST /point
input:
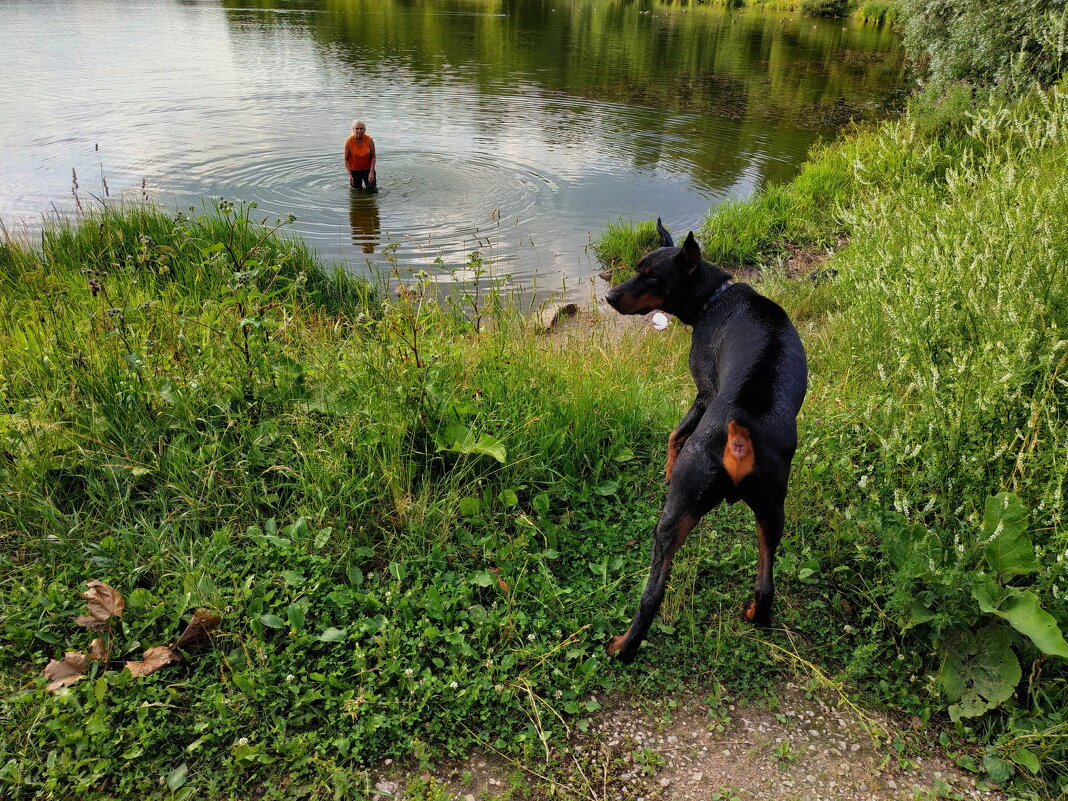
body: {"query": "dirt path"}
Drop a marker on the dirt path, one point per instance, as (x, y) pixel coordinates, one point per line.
(690, 748)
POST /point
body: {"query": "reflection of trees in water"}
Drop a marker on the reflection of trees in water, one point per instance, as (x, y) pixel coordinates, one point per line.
(707, 60)
(364, 220)
(783, 79)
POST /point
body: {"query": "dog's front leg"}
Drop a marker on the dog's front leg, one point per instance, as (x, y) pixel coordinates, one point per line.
(682, 432)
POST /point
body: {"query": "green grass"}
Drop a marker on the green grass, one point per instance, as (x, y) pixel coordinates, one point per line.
(938, 369)
(879, 12)
(419, 535)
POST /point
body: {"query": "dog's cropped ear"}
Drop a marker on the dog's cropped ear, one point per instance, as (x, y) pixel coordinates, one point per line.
(690, 254)
(665, 238)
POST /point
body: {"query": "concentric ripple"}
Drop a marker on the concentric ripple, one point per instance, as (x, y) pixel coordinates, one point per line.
(514, 134)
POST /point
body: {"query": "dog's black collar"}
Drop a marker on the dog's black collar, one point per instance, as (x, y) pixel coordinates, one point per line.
(717, 295)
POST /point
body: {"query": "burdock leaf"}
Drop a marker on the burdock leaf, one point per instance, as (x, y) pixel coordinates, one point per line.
(65, 673)
(103, 601)
(198, 632)
(155, 658)
(97, 652)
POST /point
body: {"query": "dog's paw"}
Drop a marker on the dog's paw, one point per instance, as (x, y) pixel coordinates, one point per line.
(614, 648)
(757, 617)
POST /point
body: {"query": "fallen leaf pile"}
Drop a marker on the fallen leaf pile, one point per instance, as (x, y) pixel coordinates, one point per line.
(103, 603)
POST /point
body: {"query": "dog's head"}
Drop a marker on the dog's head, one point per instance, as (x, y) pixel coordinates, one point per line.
(664, 278)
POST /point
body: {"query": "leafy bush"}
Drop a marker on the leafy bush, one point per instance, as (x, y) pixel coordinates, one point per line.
(825, 8)
(987, 42)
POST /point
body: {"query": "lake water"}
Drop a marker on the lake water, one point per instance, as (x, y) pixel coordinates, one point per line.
(516, 127)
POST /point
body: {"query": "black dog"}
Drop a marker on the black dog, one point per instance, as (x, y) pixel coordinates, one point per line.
(738, 439)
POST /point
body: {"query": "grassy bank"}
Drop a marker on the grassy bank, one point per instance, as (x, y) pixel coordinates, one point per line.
(418, 535)
(876, 12)
(938, 381)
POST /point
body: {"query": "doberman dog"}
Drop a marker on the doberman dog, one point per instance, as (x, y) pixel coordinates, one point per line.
(738, 439)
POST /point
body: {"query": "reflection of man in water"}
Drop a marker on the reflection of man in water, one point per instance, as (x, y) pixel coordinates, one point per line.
(360, 158)
(363, 218)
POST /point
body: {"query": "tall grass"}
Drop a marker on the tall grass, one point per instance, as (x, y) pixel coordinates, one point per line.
(377, 498)
(938, 379)
(419, 533)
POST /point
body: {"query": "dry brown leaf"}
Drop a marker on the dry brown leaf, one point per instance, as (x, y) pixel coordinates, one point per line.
(103, 601)
(65, 673)
(155, 658)
(97, 652)
(91, 623)
(197, 633)
(500, 582)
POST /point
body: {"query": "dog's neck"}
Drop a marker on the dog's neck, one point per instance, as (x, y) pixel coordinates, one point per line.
(703, 294)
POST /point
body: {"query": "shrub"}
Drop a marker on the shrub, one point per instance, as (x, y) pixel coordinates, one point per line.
(825, 8)
(988, 41)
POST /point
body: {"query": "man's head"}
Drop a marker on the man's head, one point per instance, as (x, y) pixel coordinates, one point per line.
(358, 129)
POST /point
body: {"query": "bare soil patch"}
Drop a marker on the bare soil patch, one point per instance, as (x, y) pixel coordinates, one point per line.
(689, 747)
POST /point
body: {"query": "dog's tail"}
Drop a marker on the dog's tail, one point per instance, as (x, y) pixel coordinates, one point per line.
(738, 456)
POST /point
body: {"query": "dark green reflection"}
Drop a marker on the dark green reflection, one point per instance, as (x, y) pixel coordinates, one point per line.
(781, 79)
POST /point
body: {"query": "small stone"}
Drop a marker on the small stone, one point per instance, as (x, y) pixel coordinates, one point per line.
(388, 762)
(699, 776)
(665, 782)
(386, 788)
(854, 747)
(469, 797)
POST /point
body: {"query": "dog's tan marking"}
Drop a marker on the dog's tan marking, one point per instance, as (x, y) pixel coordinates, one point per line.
(675, 444)
(738, 457)
(644, 299)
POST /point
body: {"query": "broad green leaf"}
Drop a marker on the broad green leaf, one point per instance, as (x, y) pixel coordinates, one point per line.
(484, 578)
(433, 600)
(979, 671)
(176, 778)
(1024, 612)
(295, 613)
(606, 488)
(540, 502)
(461, 439)
(1026, 759)
(912, 549)
(293, 577)
(1004, 515)
(470, 506)
(273, 621)
(333, 635)
(355, 575)
(918, 613)
(999, 770)
(509, 498)
(1009, 551)
(168, 390)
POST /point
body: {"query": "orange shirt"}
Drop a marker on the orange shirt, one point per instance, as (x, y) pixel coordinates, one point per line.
(358, 155)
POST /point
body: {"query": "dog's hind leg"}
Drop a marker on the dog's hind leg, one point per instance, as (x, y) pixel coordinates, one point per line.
(769, 521)
(676, 522)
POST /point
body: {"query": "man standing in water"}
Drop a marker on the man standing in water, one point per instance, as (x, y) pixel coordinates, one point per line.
(360, 158)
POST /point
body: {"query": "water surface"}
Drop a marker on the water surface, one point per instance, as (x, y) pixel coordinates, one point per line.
(517, 127)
